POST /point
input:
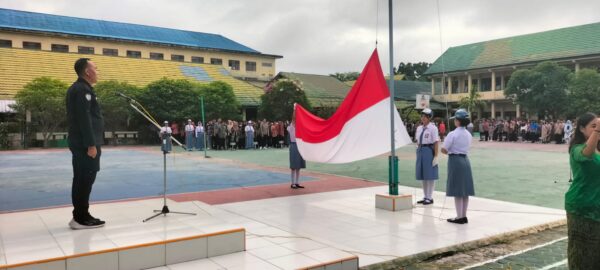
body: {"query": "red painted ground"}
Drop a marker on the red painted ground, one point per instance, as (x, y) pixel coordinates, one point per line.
(324, 183)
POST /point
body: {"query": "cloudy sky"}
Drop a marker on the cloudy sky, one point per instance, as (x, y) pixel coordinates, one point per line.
(327, 36)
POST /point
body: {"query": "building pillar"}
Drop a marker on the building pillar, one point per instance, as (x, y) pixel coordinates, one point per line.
(576, 67)
(493, 110)
(450, 84)
(469, 83)
(493, 81)
(502, 112)
(518, 111)
(432, 86)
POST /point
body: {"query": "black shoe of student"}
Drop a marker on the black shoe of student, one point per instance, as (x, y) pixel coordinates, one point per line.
(294, 187)
(421, 201)
(299, 186)
(427, 201)
(463, 220)
(87, 224)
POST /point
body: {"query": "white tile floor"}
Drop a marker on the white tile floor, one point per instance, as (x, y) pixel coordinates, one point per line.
(281, 233)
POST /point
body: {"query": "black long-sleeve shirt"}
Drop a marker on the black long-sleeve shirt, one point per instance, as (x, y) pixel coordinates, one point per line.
(84, 117)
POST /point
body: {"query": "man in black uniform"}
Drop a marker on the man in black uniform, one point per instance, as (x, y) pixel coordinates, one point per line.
(86, 128)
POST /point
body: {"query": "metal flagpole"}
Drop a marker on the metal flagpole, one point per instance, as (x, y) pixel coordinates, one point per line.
(393, 160)
(204, 123)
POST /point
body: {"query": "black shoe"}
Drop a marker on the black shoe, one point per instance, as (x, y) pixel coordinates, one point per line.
(427, 201)
(421, 201)
(88, 224)
(294, 187)
(299, 186)
(93, 218)
(463, 220)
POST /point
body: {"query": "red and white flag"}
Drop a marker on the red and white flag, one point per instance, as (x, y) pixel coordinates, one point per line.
(359, 129)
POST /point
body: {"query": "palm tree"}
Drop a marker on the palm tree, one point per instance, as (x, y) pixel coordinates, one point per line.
(472, 101)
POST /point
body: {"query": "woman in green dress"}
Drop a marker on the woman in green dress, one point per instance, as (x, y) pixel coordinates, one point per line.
(582, 200)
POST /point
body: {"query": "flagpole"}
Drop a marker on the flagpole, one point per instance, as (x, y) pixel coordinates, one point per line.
(393, 160)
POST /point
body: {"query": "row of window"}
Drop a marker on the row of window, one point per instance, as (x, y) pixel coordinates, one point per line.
(233, 64)
(486, 85)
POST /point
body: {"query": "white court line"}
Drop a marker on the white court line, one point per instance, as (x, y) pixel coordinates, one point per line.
(514, 253)
(554, 265)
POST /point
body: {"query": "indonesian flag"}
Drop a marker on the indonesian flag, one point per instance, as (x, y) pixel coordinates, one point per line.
(359, 129)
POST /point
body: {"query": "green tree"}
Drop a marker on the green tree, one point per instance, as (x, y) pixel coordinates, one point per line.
(584, 92)
(171, 100)
(345, 76)
(278, 102)
(219, 101)
(116, 110)
(44, 98)
(541, 90)
(412, 72)
(472, 101)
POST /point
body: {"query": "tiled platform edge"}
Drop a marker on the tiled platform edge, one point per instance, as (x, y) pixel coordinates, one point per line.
(145, 255)
(349, 263)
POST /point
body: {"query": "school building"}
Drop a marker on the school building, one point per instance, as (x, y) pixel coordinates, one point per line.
(36, 44)
(487, 66)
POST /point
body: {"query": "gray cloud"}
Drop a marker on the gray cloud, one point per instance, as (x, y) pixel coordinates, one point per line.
(327, 36)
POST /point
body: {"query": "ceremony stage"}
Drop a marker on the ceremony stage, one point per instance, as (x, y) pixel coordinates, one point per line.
(327, 230)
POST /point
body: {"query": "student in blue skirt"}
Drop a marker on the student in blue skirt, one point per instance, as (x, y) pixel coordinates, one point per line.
(296, 160)
(427, 150)
(460, 177)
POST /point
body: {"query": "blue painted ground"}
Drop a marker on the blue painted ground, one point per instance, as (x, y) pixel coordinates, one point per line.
(42, 179)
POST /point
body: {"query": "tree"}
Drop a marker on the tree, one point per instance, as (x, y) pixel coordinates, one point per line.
(346, 76)
(472, 101)
(115, 109)
(44, 98)
(541, 90)
(412, 72)
(584, 92)
(278, 102)
(219, 101)
(171, 100)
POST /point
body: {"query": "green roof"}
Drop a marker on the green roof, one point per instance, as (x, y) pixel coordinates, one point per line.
(549, 45)
(321, 90)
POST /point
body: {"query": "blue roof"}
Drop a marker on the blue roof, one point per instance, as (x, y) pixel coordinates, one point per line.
(32, 21)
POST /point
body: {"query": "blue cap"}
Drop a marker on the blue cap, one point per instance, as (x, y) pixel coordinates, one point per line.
(460, 114)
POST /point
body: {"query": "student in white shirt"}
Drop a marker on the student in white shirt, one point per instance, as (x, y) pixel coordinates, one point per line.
(200, 136)
(249, 129)
(189, 135)
(427, 137)
(460, 176)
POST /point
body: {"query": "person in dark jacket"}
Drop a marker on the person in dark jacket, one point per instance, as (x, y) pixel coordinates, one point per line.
(86, 130)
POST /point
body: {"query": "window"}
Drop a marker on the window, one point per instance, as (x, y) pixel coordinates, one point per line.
(234, 64)
(216, 61)
(267, 64)
(250, 66)
(60, 48)
(177, 57)
(198, 59)
(85, 50)
(474, 84)
(498, 83)
(134, 54)
(446, 81)
(5, 43)
(454, 86)
(486, 84)
(506, 80)
(32, 45)
(157, 56)
(110, 52)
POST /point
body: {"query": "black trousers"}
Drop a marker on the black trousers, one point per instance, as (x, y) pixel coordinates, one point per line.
(84, 176)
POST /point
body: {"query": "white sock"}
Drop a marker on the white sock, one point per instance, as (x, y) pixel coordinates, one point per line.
(465, 206)
(425, 188)
(430, 188)
(458, 204)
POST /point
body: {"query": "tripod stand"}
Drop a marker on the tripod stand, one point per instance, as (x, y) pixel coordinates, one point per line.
(165, 147)
(166, 140)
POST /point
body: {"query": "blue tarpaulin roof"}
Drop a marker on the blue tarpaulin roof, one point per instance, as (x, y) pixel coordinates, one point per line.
(23, 20)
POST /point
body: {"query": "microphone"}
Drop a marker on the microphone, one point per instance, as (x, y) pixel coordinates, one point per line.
(123, 95)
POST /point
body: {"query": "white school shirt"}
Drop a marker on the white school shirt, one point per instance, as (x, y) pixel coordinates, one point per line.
(189, 127)
(199, 129)
(430, 136)
(249, 128)
(165, 130)
(458, 141)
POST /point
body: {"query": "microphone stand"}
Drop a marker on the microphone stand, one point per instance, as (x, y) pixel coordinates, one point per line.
(165, 209)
